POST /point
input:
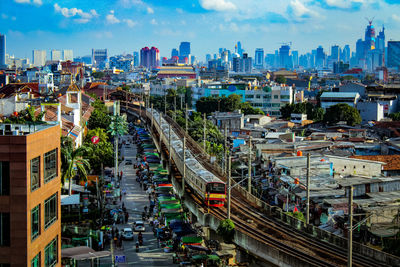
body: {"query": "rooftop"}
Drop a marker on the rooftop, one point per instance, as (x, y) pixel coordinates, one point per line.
(392, 161)
(339, 94)
(8, 129)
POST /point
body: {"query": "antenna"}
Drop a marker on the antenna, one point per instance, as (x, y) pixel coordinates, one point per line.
(370, 20)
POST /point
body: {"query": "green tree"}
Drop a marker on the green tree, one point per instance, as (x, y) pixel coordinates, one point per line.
(318, 114)
(280, 79)
(342, 112)
(98, 74)
(102, 152)
(73, 162)
(126, 88)
(231, 103)
(395, 116)
(208, 104)
(226, 230)
(99, 117)
(247, 109)
(286, 111)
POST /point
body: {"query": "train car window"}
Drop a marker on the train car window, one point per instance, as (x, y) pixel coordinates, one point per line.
(216, 188)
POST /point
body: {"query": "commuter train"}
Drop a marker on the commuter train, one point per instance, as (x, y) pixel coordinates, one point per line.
(210, 188)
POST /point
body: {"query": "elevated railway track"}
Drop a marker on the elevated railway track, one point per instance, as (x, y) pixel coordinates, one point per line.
(255, 223)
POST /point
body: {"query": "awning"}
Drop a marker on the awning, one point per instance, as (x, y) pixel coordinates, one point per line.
(83, 253)
(70, 200)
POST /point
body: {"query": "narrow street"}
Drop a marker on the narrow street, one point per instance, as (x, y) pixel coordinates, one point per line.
(135, 200)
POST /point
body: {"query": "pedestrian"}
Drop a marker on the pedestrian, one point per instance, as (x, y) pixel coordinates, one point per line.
(149, 197)
(126, 217)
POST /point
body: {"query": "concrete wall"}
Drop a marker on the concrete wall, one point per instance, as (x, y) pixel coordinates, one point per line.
(349, 166)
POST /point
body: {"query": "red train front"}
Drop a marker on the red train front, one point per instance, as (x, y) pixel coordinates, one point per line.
(215, 194)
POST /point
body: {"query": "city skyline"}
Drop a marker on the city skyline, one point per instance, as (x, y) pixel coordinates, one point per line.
(125, 26)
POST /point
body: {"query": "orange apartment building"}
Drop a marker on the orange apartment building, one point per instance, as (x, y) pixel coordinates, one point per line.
(30, 193)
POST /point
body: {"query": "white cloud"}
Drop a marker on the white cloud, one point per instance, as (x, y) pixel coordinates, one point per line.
(218, 5)
(81, 16)
(22, 1)
(4, 16)
(298, 11)
(150, 10)
(130, 23)
(396, 17)
(13, 18)
(111, 19)
(36, 2)
(154, 22)
(179, 10)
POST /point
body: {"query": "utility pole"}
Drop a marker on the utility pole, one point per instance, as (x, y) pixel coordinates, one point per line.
(169, 144)
(225, 167)
(165, 102)
(308, 189)
(184, 165)
(152, 118)
(175, 108)
(249, 182)
(228, 208)
(116, 113)
(204, 132)
(350, 238)
(186, 119)
(140, 106)
(161, 132)
(181, 102)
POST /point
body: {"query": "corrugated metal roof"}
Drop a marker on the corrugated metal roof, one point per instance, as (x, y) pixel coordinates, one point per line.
(339, 94)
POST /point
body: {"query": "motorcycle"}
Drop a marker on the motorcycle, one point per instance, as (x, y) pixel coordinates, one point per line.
(137, 246)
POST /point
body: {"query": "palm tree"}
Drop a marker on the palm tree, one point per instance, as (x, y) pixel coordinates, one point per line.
(72, 162)
(118, 127)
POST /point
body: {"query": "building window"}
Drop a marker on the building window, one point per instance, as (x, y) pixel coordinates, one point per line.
(50, 210)
(35, 173)
(275, 96)
(276, 105)
(285, 97)
(4, 178)
(36, 261)
(50, 165)
(267, 96)
(4, 229)
(35, 222)
(249, 96)
(345, 167)
(51, 253)
(258, 96)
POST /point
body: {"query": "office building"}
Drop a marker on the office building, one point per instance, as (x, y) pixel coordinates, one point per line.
(259, 58)
(136, 59)
(174, 53)
(39, 58)
(2, 50)
(99, 57)
(150, 58)
(55, 55)
(184, 49)
(295, 58)
(335, 53)
(320, 57)
(68, 55)
(393, 54)
(208, 57)
(30, 214)
(345, 56)
(285, 61)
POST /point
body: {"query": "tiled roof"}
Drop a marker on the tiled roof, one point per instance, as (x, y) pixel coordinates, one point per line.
(92, 85)
(13, 88)
(392, 161)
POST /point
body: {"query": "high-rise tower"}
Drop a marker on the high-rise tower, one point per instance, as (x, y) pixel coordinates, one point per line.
(2, 50)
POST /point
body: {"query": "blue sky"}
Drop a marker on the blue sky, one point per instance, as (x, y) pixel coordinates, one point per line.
(124, 26)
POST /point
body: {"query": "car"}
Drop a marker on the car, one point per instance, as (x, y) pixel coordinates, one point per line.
(139, 226)
(127, 146)
(128, 162)
(127, 234)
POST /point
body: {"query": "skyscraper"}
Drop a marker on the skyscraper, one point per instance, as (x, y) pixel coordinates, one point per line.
(239, 49)
(295, 58)
(369, 37)
(184, 49)
(174, 52)
(2, 50)
(335, 53)
(55, 55)
(39, 57)
(259, 58)
(99, 57)
(136, 59)
(346, 54)
(149, 58)
(393, 54)
(285, 60)
(208, 57)
(68, 55)
(320, 57)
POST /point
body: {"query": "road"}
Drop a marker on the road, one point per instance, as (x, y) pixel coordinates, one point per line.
(135, 199)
